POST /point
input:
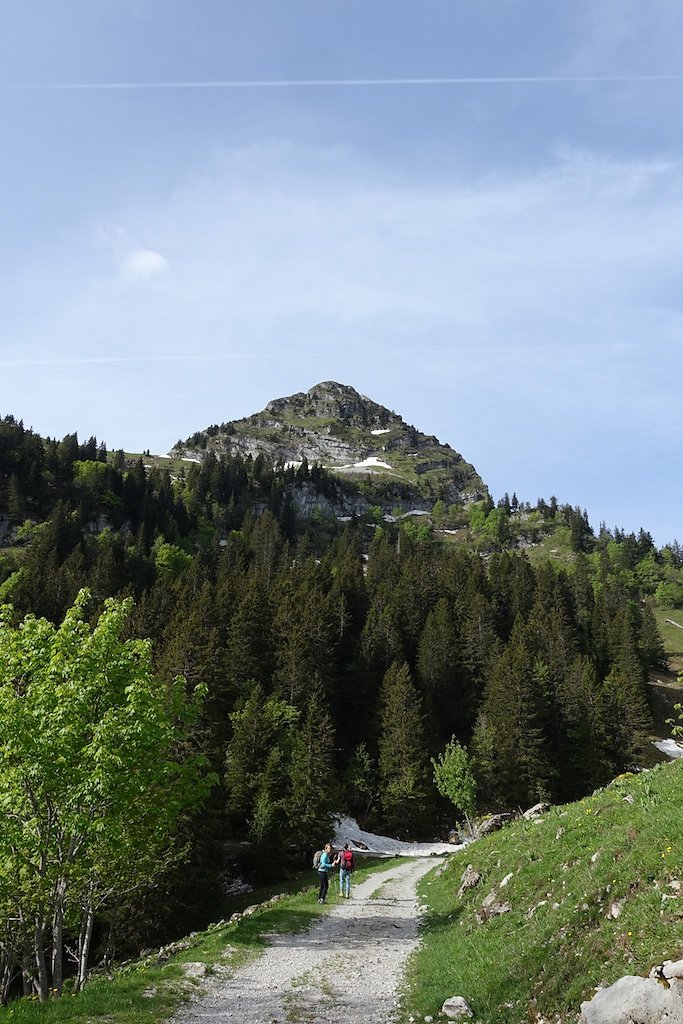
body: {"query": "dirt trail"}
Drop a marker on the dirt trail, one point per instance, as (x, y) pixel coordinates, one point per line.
(345, 970)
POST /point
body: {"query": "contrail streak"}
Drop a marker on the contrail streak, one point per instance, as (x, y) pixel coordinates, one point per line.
(312, 83)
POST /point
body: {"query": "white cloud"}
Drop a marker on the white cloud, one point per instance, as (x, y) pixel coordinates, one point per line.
(142, 263)
(286, 247)
(532, 321)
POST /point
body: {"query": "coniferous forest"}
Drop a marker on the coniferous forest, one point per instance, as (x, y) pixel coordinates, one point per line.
(323, 664)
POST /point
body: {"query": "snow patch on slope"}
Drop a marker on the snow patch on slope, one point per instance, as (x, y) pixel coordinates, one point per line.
(669, 747)
(347, 830)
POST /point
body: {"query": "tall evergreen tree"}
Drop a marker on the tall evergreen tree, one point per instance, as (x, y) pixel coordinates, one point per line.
(521, 769)
(405, 792)
(249, 654)
(449, 707)
(312, 782)
(257, 759)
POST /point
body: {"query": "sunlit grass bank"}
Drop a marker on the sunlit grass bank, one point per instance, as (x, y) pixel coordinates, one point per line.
(593, 895)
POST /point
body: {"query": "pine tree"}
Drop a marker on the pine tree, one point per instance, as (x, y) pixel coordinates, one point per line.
(304, 637)
(442, 680)
(650, 644)
(361, 785)
(587, 764)
(627, 718)
(381, 639)
(256, 759)
(403, 763)
(249, 654)
(521, 770)
(312, 784)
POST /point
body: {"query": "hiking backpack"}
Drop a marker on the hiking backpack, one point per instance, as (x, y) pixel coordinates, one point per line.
(347, 860)
(316, 859)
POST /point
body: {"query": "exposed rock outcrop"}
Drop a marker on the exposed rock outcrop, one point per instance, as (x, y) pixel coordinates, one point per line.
(355, 439)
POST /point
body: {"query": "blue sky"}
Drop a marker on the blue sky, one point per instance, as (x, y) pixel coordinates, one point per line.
(496, 257)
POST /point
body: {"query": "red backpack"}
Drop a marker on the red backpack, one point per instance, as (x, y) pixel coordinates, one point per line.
(347, 860)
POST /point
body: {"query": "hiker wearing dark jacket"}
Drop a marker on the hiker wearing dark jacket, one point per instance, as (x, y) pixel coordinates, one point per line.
(324, 868)
(345, 869)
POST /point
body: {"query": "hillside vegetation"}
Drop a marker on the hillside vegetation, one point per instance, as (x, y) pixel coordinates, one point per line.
(367, 645)
(590, 892)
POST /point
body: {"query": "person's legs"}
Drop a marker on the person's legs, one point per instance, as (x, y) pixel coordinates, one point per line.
(324, 883)
(341, 881)
(347, 883)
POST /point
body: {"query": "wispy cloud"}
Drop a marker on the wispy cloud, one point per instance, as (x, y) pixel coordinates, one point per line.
(284, 241)
(142, 263)
(281, 245)
(132, 261)
(543, 306)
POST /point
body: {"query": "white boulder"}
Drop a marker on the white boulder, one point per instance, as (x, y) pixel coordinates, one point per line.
(456, 1007)
(633, 1000)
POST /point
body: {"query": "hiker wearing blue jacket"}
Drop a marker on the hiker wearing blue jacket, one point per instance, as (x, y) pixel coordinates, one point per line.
(324, 868)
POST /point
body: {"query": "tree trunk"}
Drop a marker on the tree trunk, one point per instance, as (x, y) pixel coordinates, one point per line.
(42, 982)
(84, 940)
(27, 982)
(58, 937)
(5, 979)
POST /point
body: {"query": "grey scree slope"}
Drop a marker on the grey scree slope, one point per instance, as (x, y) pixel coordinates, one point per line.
(345, 970)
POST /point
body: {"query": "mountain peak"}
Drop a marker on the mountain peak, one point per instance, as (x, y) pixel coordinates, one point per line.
(330, 400)
(353, 437)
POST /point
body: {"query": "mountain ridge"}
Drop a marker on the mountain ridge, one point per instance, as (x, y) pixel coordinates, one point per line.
(351, 436)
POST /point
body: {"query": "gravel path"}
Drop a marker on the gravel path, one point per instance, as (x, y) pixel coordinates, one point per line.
(345, 970)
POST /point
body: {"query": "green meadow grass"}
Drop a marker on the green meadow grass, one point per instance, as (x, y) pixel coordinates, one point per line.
(672, 636)
(147, 991)
(573, 872)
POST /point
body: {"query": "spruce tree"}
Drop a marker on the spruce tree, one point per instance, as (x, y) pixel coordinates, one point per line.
(257, 757)
(587, 764)
(521, 769)
(442, 679)
(249, 654)
(313, 787)
(405, 795)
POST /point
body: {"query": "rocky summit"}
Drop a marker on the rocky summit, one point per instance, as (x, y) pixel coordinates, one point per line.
(355, 439)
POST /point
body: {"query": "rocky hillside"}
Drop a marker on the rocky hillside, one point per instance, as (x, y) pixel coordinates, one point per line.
(351, 436)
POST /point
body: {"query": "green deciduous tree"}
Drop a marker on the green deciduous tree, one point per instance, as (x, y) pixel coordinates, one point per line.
(454, 778)
(92, 780)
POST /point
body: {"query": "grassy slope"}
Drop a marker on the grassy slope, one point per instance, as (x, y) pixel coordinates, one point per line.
(147, 990)
(672, 636)
(559, 940)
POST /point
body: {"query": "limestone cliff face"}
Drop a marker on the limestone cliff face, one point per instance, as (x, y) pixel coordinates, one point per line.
(353, 437)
